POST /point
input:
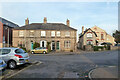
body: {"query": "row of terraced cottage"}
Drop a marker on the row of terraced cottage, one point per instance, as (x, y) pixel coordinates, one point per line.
(61, 37)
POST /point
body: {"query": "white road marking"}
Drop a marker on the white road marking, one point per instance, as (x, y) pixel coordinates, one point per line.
(23, 69)
(18, 71)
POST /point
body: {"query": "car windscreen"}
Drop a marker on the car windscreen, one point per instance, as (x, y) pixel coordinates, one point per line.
(19, 51)
(42, 47)
(4, 51)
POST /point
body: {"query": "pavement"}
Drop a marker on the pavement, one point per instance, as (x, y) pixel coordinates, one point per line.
(104, 72)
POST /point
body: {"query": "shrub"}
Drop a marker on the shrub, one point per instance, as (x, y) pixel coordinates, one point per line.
(71, 50)
(35, 45)
(107, 47)
(96, 48)
(48, 47)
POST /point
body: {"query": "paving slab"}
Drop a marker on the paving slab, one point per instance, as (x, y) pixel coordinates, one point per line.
(105, 72)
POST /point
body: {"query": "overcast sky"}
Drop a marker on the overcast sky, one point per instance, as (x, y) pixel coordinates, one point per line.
(88, 14)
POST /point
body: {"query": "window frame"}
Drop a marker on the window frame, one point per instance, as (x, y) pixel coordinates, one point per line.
(52, 33)
(102, 36)
(21, 33)
(67, 34)
(89, 35)
(58, 34)
(31, 33)
(43, 33)
(67, 44)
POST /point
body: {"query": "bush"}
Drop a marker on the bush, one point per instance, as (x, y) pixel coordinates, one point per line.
(48, 47)
(107, 47)
(96, 48)
(71, 50)
(35, 45)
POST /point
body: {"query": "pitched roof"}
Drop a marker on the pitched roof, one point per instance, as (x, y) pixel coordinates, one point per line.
(86, 31)
(8, 23)
(43, 26)
(97, 28)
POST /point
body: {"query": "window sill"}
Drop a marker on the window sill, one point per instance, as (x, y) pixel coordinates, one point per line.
(43, 37)
(67, 36)
(52, 36)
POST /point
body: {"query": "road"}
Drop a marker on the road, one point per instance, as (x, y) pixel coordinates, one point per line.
(67, 65)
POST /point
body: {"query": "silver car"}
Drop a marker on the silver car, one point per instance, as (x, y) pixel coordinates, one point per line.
(14, 56)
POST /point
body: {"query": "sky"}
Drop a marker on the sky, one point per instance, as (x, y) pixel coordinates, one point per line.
(87, 14)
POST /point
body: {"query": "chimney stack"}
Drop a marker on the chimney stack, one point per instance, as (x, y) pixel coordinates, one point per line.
(27, 21)
(68, 22)
(45, 20)
(82, 29)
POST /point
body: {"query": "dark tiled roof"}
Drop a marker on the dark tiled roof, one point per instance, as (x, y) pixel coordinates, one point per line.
(43, 26)
(86, 31)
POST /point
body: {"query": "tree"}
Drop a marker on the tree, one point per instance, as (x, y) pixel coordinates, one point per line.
(35, 45)
(116, 35)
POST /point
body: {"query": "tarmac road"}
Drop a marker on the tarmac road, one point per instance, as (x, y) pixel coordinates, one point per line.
(67, 65)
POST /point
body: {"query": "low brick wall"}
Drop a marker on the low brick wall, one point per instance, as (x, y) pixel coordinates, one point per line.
(88, 48)
(114, 47)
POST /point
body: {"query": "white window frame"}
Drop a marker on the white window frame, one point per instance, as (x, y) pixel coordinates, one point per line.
(67, 44)
(31, 33)
(53, 33)
(43, 33)
(58, 33)
(45, 43)
(21, 33)
(89, 35)
(67, 34)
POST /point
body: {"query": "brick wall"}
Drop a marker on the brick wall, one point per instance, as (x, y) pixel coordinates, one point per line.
(1, 34)
(115, 47)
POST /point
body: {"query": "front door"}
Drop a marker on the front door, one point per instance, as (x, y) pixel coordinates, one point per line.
(58, 45)
(43, 43)
(53, 45)
(31, 45)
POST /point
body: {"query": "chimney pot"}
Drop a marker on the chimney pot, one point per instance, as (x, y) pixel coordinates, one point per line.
(45, 20)
(27, 21)
(82, 29)
(68, 22)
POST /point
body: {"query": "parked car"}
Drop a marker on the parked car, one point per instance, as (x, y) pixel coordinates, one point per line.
(3, 65)
(14, 56)
(117, 44)
(40, 50)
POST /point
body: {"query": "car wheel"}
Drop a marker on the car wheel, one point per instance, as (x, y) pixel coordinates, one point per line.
(12, 64)
(32, 52)
(44, 52)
